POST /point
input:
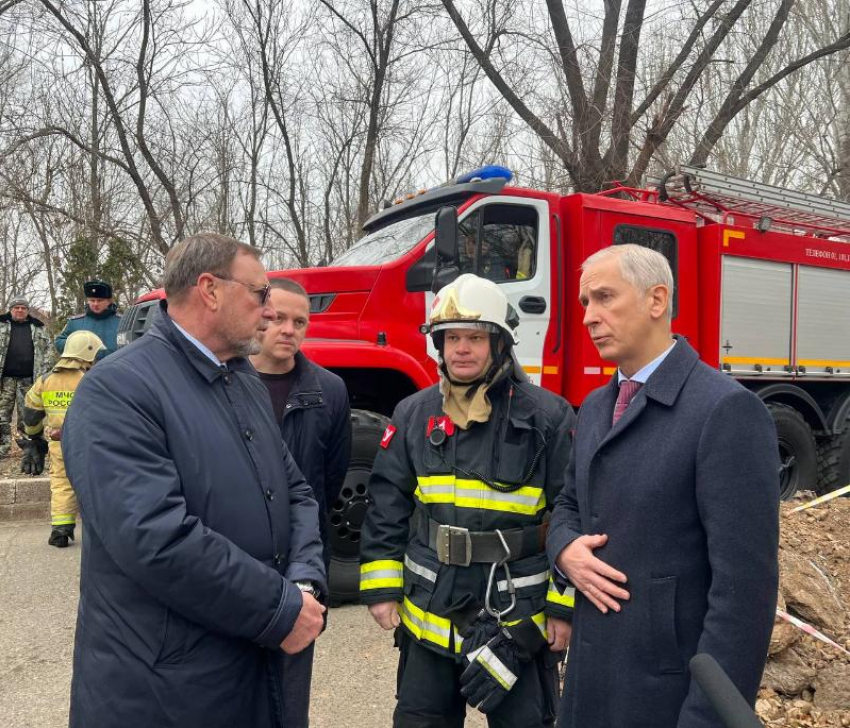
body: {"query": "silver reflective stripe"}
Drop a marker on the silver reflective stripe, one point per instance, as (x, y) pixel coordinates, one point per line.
(522, 581)
(434, 489)
(496, 667)
(380, 574)
(496, 496)
(426, 625)
(420, 570)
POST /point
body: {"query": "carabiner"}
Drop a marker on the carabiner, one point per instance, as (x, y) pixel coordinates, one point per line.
(492, 611)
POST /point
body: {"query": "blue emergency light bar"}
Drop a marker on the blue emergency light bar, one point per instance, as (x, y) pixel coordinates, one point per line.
(491, 171)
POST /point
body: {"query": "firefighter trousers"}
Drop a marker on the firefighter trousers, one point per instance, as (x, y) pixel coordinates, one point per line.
(428, 691)
(63, 500)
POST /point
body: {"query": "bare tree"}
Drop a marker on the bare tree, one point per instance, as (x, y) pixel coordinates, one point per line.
(599, 85)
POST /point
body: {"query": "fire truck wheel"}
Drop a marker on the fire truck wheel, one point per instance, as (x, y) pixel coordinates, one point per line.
(834, 455)
(798, 454)
(349, 509)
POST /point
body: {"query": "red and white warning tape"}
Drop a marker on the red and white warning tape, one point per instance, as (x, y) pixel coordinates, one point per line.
(822, 499)
(808, 629)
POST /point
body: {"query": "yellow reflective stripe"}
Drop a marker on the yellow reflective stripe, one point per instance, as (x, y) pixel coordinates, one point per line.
(383, 574)
(467, 493)
(539, 619)
(63, 519)
(57, 401)
(424, 625)
(34, 429)
(567, 599)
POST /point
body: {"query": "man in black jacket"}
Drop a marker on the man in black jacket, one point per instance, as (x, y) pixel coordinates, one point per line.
(201, 553)
(311, 406)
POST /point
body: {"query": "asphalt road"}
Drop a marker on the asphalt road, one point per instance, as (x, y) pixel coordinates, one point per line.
(353, 676)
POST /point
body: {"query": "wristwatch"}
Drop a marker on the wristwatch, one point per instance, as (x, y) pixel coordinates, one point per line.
(307, 586)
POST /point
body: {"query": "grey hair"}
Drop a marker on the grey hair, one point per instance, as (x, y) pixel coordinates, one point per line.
(640, 266)
(201, 253)
(287, 284)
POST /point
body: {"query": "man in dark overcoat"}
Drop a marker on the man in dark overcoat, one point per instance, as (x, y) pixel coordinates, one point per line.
(668, 523)
(201, 552)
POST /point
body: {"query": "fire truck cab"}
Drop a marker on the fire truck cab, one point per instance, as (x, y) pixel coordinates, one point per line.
(762, 293)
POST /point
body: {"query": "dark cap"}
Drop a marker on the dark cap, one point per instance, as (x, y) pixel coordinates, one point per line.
(97, 289)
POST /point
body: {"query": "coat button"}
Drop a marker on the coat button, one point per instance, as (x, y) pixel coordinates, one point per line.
(278, 559)
(270, 494)
(228, 378)
(249, 434)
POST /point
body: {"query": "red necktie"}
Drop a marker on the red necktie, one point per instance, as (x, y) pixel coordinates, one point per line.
(628, 389)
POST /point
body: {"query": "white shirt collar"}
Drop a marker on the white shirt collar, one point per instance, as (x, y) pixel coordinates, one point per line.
(201, 347)
(643, 374)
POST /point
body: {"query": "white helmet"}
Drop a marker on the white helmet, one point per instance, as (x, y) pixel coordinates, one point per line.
(82, 346)
(470, 302)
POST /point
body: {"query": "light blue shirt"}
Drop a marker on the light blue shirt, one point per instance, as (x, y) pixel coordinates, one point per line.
(643, 374)
(203, 349)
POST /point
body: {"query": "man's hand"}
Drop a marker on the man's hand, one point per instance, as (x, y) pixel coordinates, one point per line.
(591, 576)
(306, 628)
(385, 614)
(558, 633)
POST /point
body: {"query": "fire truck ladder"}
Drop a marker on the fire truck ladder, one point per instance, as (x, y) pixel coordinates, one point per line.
(721, 197)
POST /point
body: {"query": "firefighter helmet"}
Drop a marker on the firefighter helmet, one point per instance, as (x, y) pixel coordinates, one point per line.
(82, 346)
(470, 302)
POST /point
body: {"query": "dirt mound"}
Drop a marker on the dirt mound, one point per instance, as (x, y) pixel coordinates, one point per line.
(807, 682)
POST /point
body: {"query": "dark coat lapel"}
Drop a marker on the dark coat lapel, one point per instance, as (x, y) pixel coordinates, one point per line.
(663, 386)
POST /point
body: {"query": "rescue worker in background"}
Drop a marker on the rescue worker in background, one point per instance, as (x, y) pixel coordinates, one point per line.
(452, 549)
(24, 354)
(44, 414)
(101, 317)
(491, 265)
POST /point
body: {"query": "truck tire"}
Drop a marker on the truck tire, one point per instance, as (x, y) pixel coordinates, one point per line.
(349, 509)
(798, 453)
(834, 460)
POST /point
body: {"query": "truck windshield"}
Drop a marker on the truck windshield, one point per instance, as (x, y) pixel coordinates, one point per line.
(388, 243)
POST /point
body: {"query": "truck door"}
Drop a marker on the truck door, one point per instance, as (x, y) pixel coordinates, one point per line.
(506, 239)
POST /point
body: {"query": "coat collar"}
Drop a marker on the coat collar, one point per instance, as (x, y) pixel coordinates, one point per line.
(663, 387)
(163, 328)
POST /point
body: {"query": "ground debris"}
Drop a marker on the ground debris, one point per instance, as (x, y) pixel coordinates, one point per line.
(807, 682)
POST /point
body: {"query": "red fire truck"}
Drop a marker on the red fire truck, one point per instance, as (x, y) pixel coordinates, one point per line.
(762, 292)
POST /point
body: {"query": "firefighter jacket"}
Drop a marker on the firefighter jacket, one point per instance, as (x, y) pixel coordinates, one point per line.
(416, 485)
(48, 399)
(42, 356)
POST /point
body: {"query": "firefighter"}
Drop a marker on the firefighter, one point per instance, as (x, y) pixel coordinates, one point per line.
(452, 549)
(49, 398)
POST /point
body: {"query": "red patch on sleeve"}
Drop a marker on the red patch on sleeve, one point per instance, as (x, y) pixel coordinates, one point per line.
(387, 436)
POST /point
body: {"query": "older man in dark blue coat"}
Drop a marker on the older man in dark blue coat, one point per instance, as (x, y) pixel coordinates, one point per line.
(201, 555)
(668, 523)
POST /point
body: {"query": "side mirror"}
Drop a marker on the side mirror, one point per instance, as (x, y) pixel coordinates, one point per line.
(445, 243)
(445, 236)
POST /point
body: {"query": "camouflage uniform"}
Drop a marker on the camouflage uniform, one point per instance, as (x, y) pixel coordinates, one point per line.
(14, 389)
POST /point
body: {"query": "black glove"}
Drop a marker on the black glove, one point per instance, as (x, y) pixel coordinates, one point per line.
(495, 667)
(478, 632)
(35, 450)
